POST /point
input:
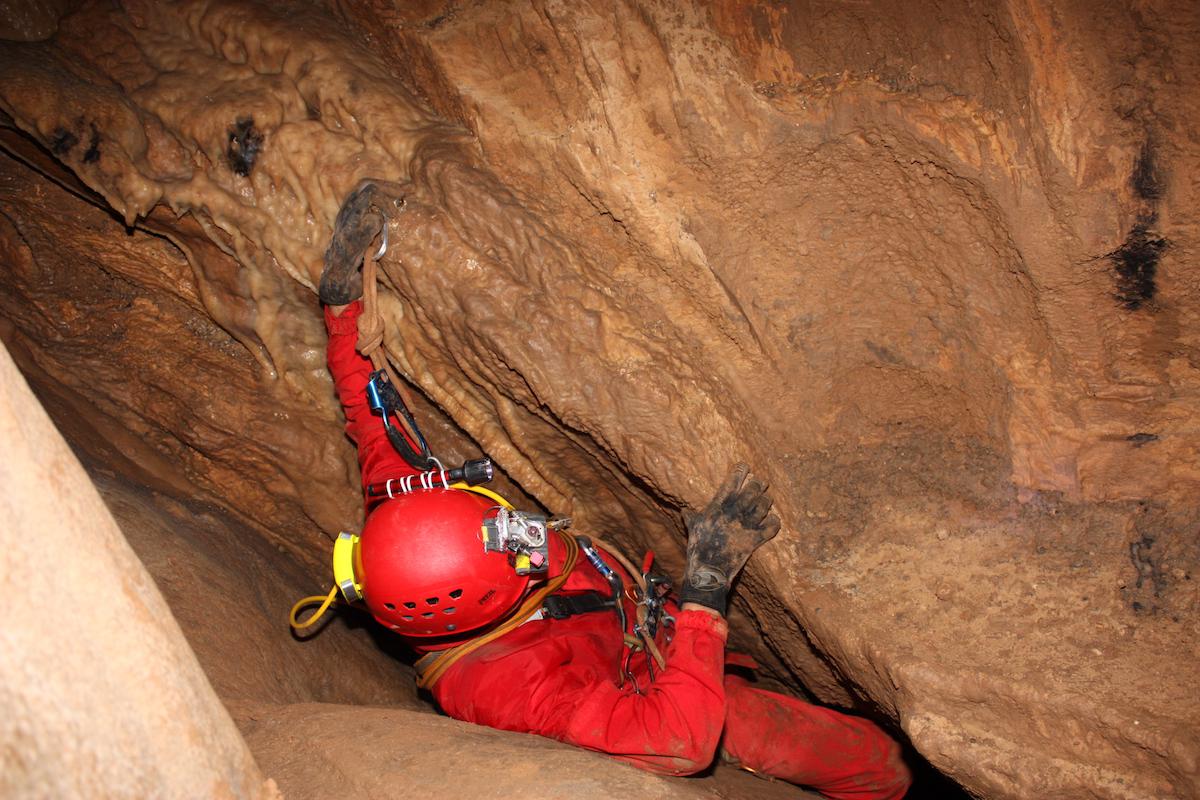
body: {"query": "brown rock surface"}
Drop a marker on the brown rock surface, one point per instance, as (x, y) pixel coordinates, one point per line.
(230, 591)
(320, 751)
(101, 695)
(928, 266)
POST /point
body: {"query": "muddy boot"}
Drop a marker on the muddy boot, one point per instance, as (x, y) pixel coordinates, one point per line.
(363, 214)
(722, 536)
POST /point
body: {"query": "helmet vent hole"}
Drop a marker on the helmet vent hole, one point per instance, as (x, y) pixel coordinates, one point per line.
(407, 618)
(449, 610)
(451, 627)
(457, 593)
(431, 601)
(410, 604)
(428, 615)
(390, 606)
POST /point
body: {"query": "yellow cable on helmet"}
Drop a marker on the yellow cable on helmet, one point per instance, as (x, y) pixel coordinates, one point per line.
(325, 602)
(488, 493)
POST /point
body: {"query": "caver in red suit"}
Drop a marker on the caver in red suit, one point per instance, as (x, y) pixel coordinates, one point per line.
(561, 678)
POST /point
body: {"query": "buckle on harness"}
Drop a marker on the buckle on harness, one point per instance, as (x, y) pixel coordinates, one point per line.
(564, 606)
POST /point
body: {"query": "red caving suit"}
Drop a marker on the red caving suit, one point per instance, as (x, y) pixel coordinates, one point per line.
(559, 678)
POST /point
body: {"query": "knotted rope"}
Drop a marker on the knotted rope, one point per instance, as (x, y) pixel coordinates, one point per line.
(370, 324)
(370, 328)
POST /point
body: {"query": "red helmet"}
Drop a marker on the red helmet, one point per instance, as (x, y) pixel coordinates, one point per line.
(423, 568)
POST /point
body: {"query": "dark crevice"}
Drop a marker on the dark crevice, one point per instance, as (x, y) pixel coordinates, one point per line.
(29, 151)
(1136, 260)
(1136, 264)
(1147, 181)
(245, 143)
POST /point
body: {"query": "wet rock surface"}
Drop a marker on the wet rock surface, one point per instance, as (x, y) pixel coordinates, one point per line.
(929, 269)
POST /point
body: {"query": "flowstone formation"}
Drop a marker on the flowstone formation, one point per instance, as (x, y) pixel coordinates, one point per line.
(926, 266)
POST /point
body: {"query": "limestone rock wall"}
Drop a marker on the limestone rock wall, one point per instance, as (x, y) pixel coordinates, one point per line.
(101, 693)
(928, 266)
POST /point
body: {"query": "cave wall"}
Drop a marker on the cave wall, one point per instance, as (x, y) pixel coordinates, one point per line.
(100, 689)
(926, 267)
(141, 620)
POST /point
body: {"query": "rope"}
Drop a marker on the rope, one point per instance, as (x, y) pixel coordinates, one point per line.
(641, 610)
(370, 334)
(370, 324)
(428, 676)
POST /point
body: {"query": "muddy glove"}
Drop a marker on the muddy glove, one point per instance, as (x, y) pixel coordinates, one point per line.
(362, 216)
(722, 536)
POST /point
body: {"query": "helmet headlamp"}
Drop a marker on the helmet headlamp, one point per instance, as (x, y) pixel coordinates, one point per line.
(520, 534)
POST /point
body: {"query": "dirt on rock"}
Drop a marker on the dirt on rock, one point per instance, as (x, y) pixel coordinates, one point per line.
(927, 266)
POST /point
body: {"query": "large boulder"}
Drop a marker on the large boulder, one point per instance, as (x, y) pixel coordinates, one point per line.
(102, 695)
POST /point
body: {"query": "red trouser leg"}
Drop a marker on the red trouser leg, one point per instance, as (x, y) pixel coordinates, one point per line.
(842, 757)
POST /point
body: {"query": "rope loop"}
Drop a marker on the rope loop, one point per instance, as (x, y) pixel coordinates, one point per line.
(370, 324)
(371, 329)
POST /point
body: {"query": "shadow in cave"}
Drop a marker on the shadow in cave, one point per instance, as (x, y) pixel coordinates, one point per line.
(384, 640)
(928, 782)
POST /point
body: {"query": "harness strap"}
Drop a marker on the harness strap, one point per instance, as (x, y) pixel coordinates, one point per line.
(564, 606)
(555, 606)
(423, 664)
(432, 666)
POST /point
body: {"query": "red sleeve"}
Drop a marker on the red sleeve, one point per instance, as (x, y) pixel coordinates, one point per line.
(563, 688)
(377, 459)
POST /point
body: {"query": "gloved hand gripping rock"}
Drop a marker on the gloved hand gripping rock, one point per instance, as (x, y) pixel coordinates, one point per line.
(722, 536)
(362, 216)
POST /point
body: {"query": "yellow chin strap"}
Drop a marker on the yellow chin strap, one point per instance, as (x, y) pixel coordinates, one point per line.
(347, 567)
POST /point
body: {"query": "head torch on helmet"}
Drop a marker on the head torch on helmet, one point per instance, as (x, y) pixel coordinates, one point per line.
(519, 534)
